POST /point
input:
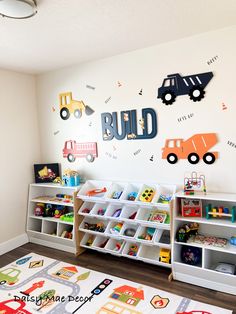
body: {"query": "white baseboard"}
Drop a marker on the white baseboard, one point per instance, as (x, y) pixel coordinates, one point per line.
(13, 243)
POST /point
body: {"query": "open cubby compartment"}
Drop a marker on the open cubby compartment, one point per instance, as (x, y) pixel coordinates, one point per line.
(62, 227)
(87, 240)
(164, 194)
(131, 249)
(149, 253)
(213, 258)
(132, 190)
(99, 206)
(115, 246)
(116, 187)
(127, 227)
(86, 205)
(162, 237)
(92, 220)
(100, 242)
(127, 212)
(113, 211)
(178, 254)
(111, 225)
(147, 193)
(94, 185)
(150, 233)
(49, 227)
(35, 224)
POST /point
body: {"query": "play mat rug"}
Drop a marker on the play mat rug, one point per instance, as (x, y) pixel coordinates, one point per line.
(37, 284)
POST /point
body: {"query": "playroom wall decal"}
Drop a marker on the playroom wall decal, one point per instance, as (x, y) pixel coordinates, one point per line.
(128, 125)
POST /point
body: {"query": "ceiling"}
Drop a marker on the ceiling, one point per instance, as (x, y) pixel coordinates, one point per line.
(67, 32)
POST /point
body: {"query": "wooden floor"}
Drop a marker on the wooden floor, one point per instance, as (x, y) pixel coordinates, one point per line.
(146, 274)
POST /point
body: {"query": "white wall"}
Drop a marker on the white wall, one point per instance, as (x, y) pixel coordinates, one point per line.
(146, 69)
(20, 149)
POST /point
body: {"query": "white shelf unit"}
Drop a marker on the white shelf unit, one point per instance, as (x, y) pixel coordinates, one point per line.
(203, 274)
(148, 250)
(48, 230)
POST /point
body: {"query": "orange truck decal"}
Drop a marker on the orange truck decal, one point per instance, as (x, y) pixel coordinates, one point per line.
(195, 148)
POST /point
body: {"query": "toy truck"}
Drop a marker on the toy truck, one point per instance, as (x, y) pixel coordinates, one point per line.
(195, 148)
(165, 256)
(70, 106)
(175, 85)
(73, 150)
(9, 276)
(9, 307)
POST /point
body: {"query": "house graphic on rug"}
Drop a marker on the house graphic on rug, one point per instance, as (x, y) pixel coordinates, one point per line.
(128, 295)
(66, 272)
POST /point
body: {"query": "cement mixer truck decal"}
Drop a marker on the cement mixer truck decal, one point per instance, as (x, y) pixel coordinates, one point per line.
(194, 148)
(175, 85)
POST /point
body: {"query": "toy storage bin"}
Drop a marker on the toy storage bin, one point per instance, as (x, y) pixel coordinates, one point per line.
(92, 220)
(49, 227)
(99, 243)
(35, 224)
(143, 230)
(127, 211)
(178, 253)
(128, 226)
(116, 187)
(149, 253)
(164, 189)
(88, 205)
(134, 187)
(111, 225)
(85, 239)
(111, 209)
(96, 207)
(147, 187)
(111, 246)
(144, 214)
(127, 247)
(92, 185)
(64, 227)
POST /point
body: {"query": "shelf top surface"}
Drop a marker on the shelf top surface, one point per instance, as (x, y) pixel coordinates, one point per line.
(56, 185)
(214, 196)
(212, 221)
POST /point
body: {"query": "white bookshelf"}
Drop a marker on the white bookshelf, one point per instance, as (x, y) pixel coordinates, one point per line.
(48, 230)
(148, 250)
(204, 273)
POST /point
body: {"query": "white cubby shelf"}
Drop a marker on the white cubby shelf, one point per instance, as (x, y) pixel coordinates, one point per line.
(48, 231)
(153, 217)
(204, 272)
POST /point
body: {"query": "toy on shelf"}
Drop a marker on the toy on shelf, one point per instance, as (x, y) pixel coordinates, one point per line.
(191, 208)
(117, 228)
(67, 234)
(157, 216)
(132, 216)
(130, 232)
(148, 234)
(58, 180)
(116, 195)
(71, 178)
(132, 196)
(39, 209)
(225, 268)
(147, 195)
(49, 210)
(118, 246)
(90, 241)
(165, 256)
(101, 211)
(86, 210)
(191, 255)
(97, 192)
(220, 212)
(194, 184)
(133, 250)
(233, 240)
(59, 211)
(69, 217)
(186, 231)
(116, 213)
(99, 227)
(164, 198)
(208, 240)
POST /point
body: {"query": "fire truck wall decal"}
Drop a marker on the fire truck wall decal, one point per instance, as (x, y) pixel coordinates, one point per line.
(194, 148)
(73, 150)
(129, 125)
(175, 85)
(70, 106)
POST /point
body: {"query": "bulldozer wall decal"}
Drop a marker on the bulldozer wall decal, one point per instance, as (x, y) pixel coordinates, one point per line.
(175, 85)
(70, 106)
(194, 148)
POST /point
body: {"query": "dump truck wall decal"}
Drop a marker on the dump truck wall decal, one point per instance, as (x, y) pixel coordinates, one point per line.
(195, 148)
(175, 85)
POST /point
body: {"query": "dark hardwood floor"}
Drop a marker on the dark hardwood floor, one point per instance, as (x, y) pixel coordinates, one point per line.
(146, 274)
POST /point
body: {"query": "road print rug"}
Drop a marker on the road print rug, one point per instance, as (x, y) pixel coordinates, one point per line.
(37, 284)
